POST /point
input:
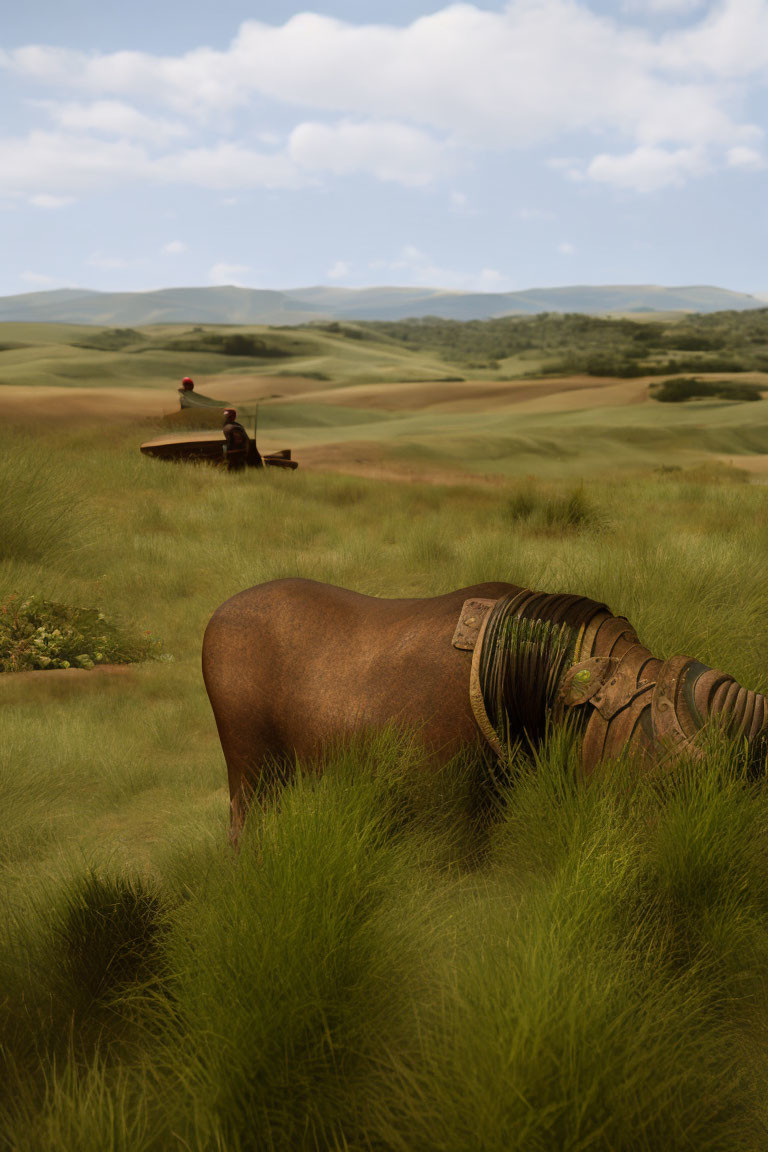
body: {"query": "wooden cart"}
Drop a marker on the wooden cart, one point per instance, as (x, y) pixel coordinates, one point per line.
(209, 448)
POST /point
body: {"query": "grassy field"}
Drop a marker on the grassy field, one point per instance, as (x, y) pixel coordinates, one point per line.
(397, 959)
(63, 354)
(364, 402)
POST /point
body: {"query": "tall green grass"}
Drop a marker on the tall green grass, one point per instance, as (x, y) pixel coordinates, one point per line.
(44, 516)
(397, 958)
(596, 980)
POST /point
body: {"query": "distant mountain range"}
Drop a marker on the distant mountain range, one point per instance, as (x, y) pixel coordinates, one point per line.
(230, 305)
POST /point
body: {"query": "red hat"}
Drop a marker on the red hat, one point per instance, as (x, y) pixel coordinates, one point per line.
(230, 413)
(187, 383)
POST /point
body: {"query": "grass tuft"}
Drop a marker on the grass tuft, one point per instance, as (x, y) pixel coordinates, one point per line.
(43, 513)
(107, 938)
(549, 512)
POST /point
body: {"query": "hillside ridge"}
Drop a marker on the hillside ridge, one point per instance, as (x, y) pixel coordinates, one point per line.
(235, 305)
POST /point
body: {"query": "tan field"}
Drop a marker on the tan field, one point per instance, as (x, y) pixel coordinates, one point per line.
(24, 402)
(73, 405)
(474, 395)
(756, 465)
(376, 410)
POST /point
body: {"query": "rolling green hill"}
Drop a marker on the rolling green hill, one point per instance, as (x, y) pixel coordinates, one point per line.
(345, 353)
(232, 305)
(478, 397)
(158, 356)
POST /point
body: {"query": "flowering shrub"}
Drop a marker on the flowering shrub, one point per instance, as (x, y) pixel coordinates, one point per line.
(38, 633)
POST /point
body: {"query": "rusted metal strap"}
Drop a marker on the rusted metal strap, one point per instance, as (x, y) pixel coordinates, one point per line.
(476, 693)
(471, 618)
(622, 696)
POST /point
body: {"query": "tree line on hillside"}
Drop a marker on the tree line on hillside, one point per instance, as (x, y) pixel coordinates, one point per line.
(199, 339)
(574, 343)
(546, 344)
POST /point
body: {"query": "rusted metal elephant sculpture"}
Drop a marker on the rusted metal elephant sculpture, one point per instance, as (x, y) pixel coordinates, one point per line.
(293, 666)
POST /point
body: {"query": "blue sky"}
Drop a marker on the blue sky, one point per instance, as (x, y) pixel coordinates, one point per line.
(482, 146)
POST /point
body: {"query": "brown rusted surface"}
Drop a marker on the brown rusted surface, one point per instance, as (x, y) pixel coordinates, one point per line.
(207, 447)
(657, 709)
(294, 666)
(477, 695)
(473, 613)
(623, 698)
(581, 682)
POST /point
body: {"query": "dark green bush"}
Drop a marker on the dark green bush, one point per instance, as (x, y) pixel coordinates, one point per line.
(241, 344)
(305, 375)
(351, 333)
(695, 342)
(236, 344)
(111, 340)
(37, 633)
(614, 366)
(703, 364)
(682, 388)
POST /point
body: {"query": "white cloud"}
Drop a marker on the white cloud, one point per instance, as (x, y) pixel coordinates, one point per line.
(567, 165)
(226, 166)
(673, 7)
(113, 118)
(388, 151)
(415, 267)
(63, 163)
(409, 100)
(534, 69)
(228, 274)
(339, 270)
(648, 169)
(729, 43)
(174, 248)
(38, 279)
(750, 159)
(566, 248)
(46, 201)
(200, 79)
(489, 280)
